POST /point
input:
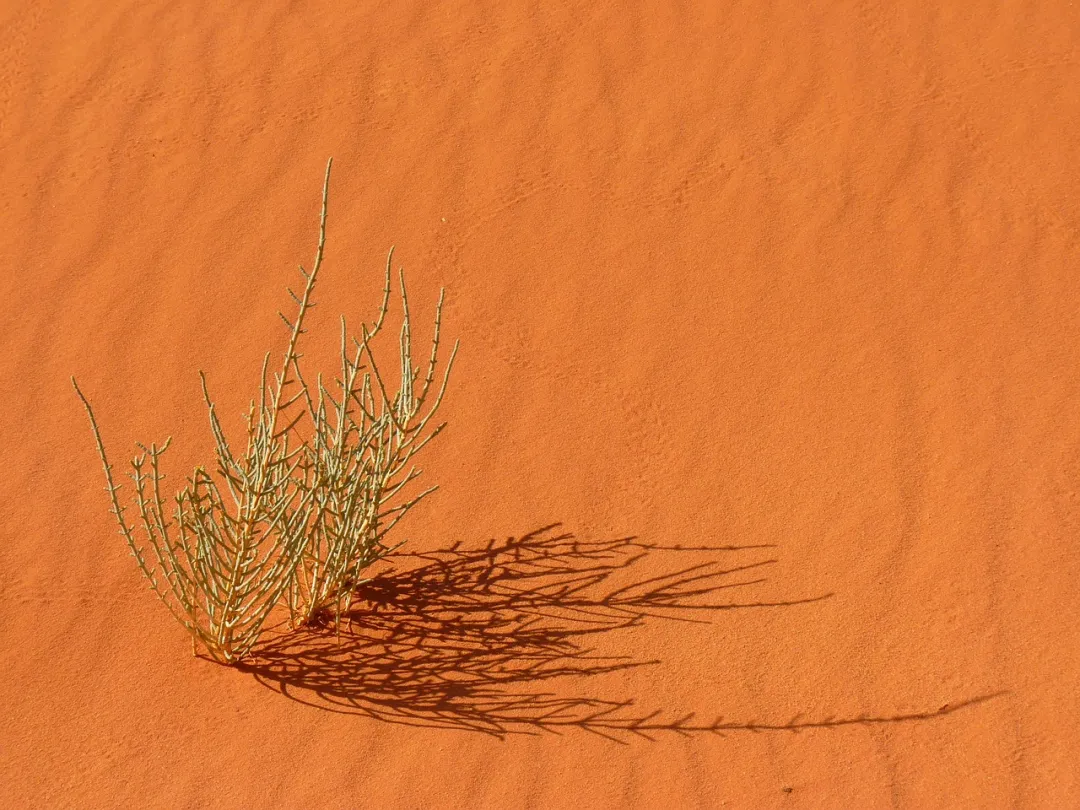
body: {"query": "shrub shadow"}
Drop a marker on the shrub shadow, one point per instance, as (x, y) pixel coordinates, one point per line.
(463, 638)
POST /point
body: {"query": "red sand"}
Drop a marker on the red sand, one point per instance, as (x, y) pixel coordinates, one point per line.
(792, 282)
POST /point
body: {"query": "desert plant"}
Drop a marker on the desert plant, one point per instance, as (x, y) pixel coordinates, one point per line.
(305, 520)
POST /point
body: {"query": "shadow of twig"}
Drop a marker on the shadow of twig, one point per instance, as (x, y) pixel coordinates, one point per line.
(460, 638)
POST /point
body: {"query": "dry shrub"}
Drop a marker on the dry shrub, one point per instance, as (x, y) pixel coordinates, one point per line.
(298, 517)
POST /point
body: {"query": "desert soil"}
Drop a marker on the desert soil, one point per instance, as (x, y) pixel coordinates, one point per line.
(760, 482)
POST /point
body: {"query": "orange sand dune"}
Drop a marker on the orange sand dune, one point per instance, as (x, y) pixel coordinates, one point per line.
(792, 286)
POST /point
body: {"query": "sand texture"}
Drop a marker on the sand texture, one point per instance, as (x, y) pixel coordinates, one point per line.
(760, 486)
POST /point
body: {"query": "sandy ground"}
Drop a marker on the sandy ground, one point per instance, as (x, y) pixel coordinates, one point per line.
(767, 404)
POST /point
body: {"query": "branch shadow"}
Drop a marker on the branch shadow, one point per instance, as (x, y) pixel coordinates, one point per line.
(462, 638)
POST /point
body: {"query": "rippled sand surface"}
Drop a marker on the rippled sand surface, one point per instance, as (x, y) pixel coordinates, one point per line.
(760, 484)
